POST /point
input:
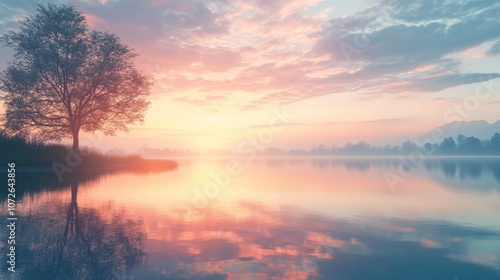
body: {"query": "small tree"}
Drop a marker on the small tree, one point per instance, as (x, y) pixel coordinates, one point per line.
(65, 78)
(448, 146)
(495, 144)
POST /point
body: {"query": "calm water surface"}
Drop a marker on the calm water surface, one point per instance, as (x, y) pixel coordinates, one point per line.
(275, 219)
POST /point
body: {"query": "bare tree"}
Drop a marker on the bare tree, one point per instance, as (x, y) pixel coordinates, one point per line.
(65, 78)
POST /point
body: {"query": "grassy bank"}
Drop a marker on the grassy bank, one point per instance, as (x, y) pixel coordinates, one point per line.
(39, 155)
(52, 167)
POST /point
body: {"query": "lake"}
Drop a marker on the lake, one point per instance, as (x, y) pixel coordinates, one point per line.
(267, 218)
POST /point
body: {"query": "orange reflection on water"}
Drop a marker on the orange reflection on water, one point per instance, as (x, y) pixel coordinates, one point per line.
(288, 219)
(325, 186)
(219, 242)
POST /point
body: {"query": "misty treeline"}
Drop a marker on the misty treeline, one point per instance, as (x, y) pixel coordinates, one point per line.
(462, 145)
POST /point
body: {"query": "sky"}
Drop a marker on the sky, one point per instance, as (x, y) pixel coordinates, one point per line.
(340, 71)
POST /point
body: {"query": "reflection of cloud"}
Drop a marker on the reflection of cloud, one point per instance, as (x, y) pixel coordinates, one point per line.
(325, 240)
(288, 244)
(395, 228)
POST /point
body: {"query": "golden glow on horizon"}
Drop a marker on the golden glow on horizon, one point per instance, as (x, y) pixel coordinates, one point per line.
(341, 190)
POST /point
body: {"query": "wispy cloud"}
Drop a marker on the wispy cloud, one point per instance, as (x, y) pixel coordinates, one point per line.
(411, 42)
(248, 54)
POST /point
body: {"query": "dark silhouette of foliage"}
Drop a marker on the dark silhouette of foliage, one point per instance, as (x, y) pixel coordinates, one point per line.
(35, 154)
(66, 78)
(467, 146)
(448, 146)
(494, 147)
(37, 159)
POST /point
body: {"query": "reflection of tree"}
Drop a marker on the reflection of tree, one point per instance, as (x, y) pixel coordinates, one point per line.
(495, 169)
(361, 165)
(471, 169)
(88, 244)
(449, 168)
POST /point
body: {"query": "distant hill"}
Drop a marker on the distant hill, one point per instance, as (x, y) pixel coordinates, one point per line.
(480, 129)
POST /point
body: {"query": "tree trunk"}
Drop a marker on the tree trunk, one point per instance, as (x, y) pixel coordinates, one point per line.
(74, 193)
(76, 140)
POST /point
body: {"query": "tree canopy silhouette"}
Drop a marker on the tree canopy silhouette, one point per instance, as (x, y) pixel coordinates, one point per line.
(65, 78)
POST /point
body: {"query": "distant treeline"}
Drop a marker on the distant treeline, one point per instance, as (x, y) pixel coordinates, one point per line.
(463, 145)
(448, 146)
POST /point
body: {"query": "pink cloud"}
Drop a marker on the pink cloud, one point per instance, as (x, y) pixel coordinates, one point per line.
(93, 20)
(429, 243)
(273, 52)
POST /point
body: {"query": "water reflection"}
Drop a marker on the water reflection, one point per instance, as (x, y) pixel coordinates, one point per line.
(466, 168)
(280, 219)
(453, 168)
(61, 241)
(33, 181)
(254, 242)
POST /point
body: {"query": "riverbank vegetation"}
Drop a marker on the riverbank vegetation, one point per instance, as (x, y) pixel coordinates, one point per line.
(33, 154)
